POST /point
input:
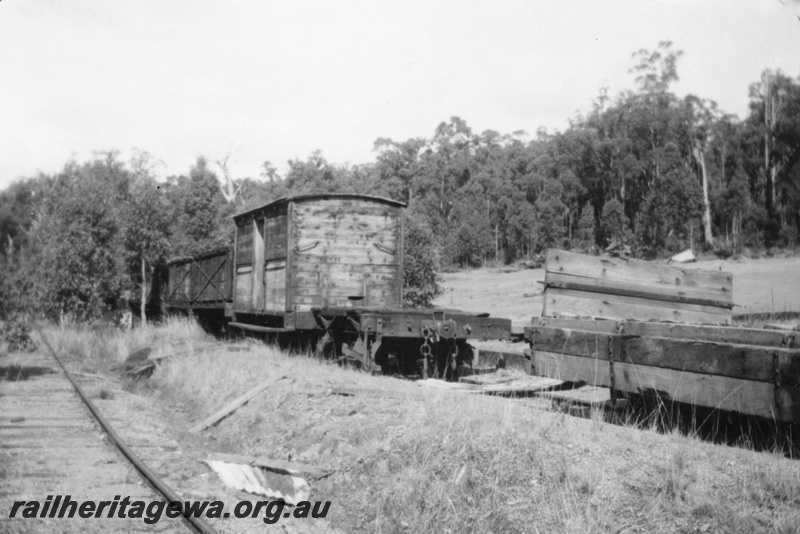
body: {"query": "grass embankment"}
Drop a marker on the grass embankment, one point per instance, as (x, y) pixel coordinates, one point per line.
(427, 460)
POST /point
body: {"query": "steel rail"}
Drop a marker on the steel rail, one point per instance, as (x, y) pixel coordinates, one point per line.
(159, 485)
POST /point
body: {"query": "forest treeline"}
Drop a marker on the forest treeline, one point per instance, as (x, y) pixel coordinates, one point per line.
(647, 168)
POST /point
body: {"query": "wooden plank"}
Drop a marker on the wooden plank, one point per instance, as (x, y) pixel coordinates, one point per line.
(355, 270)
(719, 392)
(290, 319)
(782, 327)
(640, 301)
(342, 288)
(341, 282)
(276, 228)
(362, 219)
(711, 391)
(244, 284)
(362, 230)
(726, 334)
(749, 362)
(341, 258)
(331, 208)
(632, 289)
(357, 234)
(275, 282)
(257, 328)
(696, 282)
(565, 302)
(584, 395)
(434, 383)
(574, 342)
(523, 385)
(257, 301)
(498, 377)
(359, 228)
(401, 256)
(592, 371)
(244, 243)
(336, 301)
(333, 285)
(374, 392)
(598, 326)
(736, 361)
(343, 205)
(344, 255)
(316, 264)
(232, 406)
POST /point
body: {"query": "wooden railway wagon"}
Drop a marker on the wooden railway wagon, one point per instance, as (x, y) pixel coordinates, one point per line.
(200, 282)
(661, 332)
(329, 267)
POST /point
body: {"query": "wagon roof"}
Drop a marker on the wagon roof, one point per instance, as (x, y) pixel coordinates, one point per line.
(200, 256)
(323, 196)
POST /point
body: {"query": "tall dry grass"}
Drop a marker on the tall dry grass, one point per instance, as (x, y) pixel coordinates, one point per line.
(430, 460)
(436, 462)
(98, 349)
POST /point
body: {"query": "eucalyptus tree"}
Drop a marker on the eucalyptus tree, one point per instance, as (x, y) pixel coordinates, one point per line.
(146, 226)
(200, 214)
(701, 116)
(76, 263)
(775, 119)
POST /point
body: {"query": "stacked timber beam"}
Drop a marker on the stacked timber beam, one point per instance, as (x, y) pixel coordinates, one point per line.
(750, 371)
(578, 285)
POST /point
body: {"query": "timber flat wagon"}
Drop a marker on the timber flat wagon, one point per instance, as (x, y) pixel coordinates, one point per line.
(661, 332)
(329, 268)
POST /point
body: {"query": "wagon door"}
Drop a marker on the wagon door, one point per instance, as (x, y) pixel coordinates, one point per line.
(275, 226)
(243, 270)
(257, 294)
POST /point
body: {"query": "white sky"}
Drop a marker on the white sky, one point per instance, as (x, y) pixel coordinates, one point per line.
(274, 80)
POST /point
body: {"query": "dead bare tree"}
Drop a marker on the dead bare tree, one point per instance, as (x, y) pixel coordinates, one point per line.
(703, 116)
(229, 188)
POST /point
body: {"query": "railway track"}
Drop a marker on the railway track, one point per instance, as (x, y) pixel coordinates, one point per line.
(54, 441)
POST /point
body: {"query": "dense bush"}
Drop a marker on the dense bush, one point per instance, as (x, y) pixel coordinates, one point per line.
(420, 284)
(634, 169)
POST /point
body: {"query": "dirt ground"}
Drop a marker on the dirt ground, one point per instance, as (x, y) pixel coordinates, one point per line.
(759, 286)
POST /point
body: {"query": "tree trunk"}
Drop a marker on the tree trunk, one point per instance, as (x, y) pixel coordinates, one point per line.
(143, 302)
(771, 108)
(707, 234)
(497, 242)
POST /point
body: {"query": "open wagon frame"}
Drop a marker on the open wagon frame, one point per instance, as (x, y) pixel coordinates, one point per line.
(625, 348)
